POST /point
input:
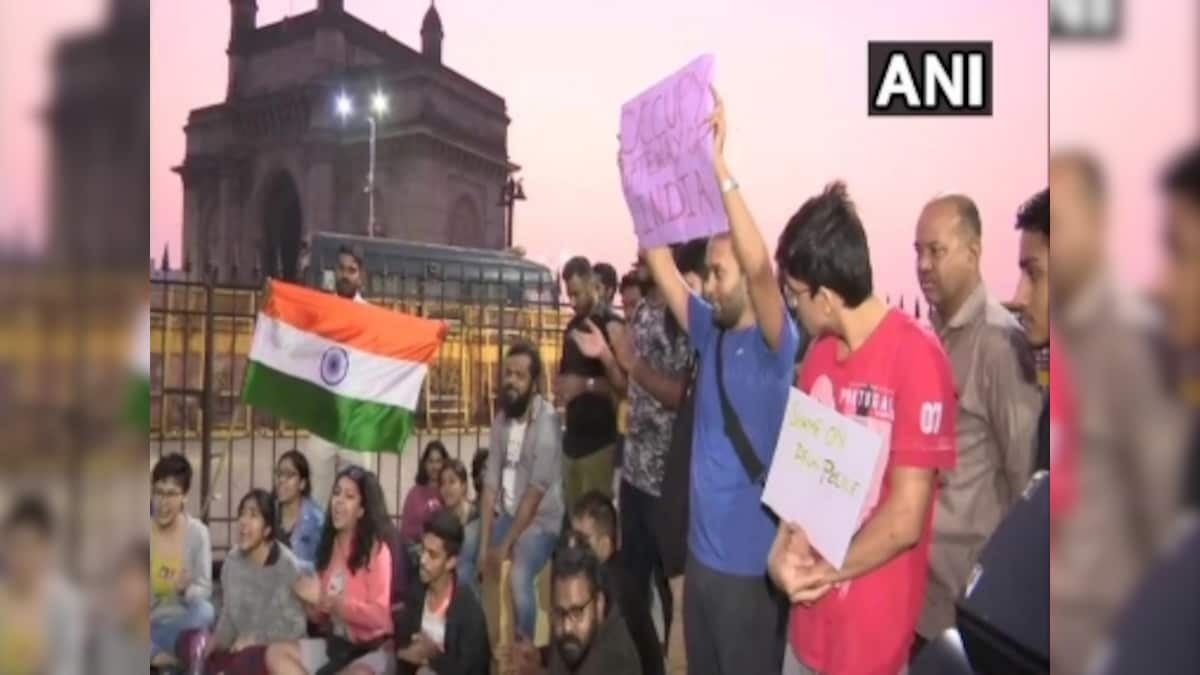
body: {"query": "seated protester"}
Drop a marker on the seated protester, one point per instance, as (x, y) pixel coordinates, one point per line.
(524, 485)
(256, 581)
(588, 637)
(350, 598)
(300, 517)
(180, 561)
(454, 496)
(445, 632)
(423, 500)
(41, 626)
(594, 521)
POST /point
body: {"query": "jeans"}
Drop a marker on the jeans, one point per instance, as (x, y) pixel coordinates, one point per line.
(530, 554)
(467, 555)
(164, 632)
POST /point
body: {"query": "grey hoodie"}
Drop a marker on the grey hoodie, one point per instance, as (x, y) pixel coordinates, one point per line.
(258, 601)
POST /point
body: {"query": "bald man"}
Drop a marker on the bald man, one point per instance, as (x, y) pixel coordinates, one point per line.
(998, 401)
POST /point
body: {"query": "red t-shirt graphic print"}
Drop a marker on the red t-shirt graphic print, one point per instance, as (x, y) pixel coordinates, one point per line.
(900, 385)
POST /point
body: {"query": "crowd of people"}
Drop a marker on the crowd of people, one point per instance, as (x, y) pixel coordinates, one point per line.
(664, 500)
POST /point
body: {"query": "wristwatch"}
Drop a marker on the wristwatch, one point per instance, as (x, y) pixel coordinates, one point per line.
(728, 185)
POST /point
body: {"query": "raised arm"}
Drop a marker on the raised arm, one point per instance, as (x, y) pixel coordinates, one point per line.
(748, 243)
(670, 282)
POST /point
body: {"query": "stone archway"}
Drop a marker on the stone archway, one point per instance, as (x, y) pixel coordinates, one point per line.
(465, 227)
(282, 227)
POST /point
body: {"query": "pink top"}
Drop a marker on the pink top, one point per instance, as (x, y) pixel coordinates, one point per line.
(422, 502)
(364, 597)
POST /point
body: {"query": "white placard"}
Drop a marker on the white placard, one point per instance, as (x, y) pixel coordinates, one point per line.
(822, 474)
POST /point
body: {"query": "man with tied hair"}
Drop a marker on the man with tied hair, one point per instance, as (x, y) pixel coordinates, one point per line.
(733, 620)
(998, 401)
(523, 484)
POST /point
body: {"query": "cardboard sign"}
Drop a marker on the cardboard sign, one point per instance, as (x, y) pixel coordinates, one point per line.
(822, 474)
(666, 159)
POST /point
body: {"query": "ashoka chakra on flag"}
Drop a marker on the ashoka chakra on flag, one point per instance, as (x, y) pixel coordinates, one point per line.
(348, 372)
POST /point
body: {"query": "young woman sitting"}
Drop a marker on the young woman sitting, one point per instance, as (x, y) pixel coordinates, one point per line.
(260, 607)
(300, 517)
(350, 596)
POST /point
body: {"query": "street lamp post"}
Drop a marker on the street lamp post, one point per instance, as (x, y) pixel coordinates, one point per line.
(371, 181)
(379, 104)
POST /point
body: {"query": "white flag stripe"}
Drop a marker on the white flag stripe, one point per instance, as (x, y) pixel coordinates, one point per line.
(369, 377)
(139, 349)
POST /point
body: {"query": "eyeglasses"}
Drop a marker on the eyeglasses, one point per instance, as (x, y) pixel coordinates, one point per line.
(575, 615)
(167, 494)
(284, 474)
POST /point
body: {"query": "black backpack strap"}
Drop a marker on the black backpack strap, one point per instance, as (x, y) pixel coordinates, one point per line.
(733, 426)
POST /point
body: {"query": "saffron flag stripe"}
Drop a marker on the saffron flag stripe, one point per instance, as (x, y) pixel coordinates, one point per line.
(344, 421)
(365, 376)
(365, 327)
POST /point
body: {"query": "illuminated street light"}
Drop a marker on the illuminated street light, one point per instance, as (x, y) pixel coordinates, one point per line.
(379, 103)
(379, 106)
(344, 106)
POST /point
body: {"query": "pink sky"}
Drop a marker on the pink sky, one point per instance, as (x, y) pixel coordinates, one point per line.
(1133, 103)
(793, 75)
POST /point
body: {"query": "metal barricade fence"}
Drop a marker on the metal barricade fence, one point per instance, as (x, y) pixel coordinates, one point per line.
(199, 344)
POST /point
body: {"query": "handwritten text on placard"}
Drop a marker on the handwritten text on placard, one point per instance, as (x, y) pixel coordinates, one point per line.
(666, 159)
(819, 476)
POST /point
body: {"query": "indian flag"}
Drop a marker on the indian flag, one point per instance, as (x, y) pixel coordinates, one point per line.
(137, 404)
(348, 372)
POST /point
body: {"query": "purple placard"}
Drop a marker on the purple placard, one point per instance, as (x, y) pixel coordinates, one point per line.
(666, 159)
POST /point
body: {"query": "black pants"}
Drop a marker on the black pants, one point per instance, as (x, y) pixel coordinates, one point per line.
(734, 625)
(640, 559)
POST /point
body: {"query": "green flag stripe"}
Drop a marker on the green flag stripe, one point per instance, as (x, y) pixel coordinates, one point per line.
(347, 422)
(138, 403)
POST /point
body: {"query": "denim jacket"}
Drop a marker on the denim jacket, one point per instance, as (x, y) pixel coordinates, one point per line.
(307, 533)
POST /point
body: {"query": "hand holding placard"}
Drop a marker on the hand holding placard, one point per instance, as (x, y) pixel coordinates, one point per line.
(820, 476)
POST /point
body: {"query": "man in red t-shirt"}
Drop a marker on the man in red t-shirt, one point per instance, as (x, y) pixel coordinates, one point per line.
(878, 366)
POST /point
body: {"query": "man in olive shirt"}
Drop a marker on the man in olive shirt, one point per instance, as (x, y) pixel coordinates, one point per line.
(998, 401)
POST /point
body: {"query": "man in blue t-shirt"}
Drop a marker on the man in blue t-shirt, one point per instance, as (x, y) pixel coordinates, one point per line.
(734, 622)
